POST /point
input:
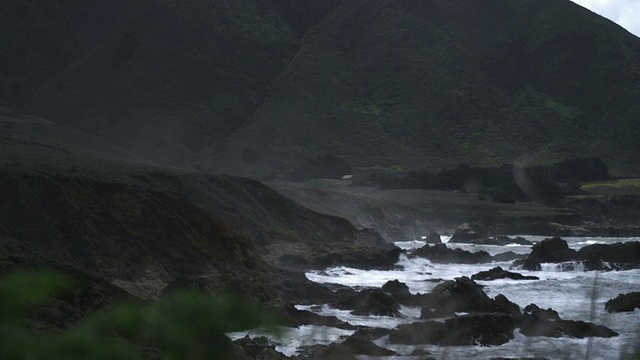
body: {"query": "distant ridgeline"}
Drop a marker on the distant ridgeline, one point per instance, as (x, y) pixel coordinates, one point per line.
(500, 183)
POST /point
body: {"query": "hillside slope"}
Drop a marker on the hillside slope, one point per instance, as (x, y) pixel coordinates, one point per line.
(161, 78)
(253, 87)
(427, 85)
(143, 228)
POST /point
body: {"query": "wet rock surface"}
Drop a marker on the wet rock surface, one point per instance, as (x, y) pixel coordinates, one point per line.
(618, 256)
(624, 303)
(475, 329)
(440, 253)
(540, 322)
(498, 273)
(468, 231)
(500, 240)
(372, 302)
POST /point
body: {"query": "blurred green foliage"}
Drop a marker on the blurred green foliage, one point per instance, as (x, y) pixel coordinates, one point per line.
(184, 325)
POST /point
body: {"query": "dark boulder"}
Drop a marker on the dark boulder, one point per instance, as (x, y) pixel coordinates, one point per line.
(624, 302)
(466, 232)
(418, 333)
(461, 295)
(441, 254)
(561, 328)
(624, 255)
(434, 238)
(397, 289)
(333, 351)
(478, 329)
(539, 322)
(372, 302)
(508, 256)
(370, 334)
(366, 347)
(501, 240)
(498, 273)
(437, 313)
(475, 329)
(503, 305)
(256, 348)
(552, 250)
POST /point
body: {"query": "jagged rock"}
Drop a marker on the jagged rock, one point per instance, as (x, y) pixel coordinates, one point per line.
(397, 289)
(439, 253)
(624, 302)
(508, 256)
(539, 322)
(476, 329)
(366, 347)
(533, 312)
(503, 305)
(370, 334)
(333, 351)
(498, 273)
(552, 250)
(429, 313)
(466, 231)
(256, 348)
(372, 302)
(498, 240)
(481, 329)
(434, 238)
(591, 257)
(462, 295)
(624, 255)
(418, 333)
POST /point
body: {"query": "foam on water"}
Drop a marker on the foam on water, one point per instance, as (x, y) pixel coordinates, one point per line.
(568, 289)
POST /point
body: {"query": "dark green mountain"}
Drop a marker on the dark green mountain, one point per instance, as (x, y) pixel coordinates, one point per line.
(253, 87)
(428, 84)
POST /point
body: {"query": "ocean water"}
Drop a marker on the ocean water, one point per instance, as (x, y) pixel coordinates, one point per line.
(575, 294)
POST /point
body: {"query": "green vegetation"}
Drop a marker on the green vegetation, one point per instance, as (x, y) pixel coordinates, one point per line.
(612, 187)
(180, 326)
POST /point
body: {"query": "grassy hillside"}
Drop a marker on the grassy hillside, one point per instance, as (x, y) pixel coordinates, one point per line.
(161, 78)
(253, 87)
(425, 85)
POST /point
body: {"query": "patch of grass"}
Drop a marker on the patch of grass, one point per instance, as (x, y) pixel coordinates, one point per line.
(613, 187)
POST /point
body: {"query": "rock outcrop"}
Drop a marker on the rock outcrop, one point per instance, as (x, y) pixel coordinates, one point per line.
(372, 302)
(498, 273)
(500, 240)
(591, 257)
(440, 253)
(623, 303)
(539, 322)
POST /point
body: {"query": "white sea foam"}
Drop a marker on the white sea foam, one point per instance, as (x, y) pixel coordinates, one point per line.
(575, 294)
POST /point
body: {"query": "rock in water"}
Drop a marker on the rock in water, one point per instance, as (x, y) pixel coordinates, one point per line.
(372, 302)
(475, 329)
(439, 253)
(462, 295)
(624, 302)
(539, 322)
(397, 289)
(498, 273)
(434, 238)
(468, 231)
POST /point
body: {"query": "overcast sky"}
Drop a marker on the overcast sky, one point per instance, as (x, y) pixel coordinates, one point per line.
(624, 12)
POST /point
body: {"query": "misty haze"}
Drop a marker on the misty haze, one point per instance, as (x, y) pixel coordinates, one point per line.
(335, 179)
